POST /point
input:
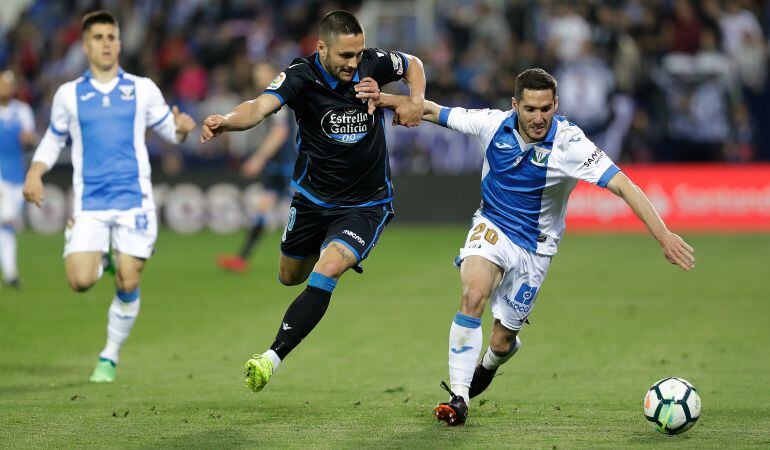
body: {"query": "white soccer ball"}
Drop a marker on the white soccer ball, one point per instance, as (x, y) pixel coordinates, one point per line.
(672, 405)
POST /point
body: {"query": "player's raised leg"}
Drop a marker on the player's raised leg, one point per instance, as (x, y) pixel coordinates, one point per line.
(304, 313)
(121, 315)
(503, 344)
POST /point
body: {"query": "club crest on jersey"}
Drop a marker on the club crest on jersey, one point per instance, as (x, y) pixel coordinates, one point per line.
(348, 124)
(540, 156)
(127, 91)
(277, 82)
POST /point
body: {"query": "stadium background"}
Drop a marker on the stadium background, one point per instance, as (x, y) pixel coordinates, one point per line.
(655, 81)
(685, 80)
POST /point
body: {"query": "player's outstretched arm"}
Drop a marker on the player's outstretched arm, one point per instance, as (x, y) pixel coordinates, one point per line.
(410, 112)
(430, 110)
(246, 115)
(33, 184)
(675, 249)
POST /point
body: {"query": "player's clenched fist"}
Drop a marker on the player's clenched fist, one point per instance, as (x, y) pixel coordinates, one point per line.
(33, 190)
(212, 127)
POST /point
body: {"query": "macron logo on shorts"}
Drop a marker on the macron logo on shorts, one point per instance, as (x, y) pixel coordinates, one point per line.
(354, 236)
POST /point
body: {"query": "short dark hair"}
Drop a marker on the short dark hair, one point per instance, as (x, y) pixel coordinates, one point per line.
(336, 23)
(95, 17)
(535, 80)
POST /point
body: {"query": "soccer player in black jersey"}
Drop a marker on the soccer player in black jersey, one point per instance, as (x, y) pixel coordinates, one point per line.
(342, 175)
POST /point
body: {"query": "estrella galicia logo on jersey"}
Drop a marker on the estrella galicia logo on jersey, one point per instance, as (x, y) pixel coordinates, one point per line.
(348, 124)
(140, 222)
(277, 82)
(526, 294)
(540, 156)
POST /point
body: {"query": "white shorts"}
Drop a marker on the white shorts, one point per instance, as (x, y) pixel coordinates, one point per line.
(523, 271)
(11, 202)
(132, 232)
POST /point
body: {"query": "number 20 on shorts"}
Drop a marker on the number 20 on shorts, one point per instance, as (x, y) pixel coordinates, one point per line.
(490, 236)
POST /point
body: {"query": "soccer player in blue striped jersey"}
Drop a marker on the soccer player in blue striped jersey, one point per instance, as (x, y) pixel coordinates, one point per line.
(533, 158)
(106, 113)
(17, 132)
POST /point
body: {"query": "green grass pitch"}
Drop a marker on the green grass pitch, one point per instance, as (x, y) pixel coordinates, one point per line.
(612, 318)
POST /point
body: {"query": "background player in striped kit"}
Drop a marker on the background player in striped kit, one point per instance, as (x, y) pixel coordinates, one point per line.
(17, 133)
(106, 113)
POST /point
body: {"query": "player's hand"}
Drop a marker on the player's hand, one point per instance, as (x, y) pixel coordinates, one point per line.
(409, 113)
(252, 167)
(33, 190)
(368, 89)
(212, 127)
(183, 121)
(678, 252)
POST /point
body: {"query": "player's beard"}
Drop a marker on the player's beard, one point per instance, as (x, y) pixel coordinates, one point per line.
(525, 129)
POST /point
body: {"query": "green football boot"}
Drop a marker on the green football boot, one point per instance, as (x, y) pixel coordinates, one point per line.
(258, 371)
(104, 372)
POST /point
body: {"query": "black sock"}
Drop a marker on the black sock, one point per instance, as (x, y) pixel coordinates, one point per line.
(300, 319)
(251, 239)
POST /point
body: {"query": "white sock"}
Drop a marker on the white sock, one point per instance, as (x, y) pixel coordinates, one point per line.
(490, 361)
(121, 317)
(8, 253)
(274, 358)
(465, 339)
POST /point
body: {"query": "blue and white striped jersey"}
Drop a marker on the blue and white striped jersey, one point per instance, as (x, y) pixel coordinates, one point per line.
(525, 187)
(15, 118)
(107, 124)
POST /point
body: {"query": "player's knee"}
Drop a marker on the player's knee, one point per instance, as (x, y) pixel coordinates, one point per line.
(80, 282)
(331, 268)
(501, 345)
(291, 277)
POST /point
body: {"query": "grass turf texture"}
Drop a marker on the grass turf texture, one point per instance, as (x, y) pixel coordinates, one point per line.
(612, 318)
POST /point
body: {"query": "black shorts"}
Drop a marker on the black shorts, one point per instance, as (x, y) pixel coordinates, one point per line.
(311, 228)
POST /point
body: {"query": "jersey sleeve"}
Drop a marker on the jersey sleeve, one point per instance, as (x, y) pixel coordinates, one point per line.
(389, 66)
(55, 137)
(26, 118)
(159, 117)
(474, 122)
(287, 85)
(585, 161)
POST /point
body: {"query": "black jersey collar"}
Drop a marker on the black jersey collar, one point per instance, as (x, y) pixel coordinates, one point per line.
(330, 80)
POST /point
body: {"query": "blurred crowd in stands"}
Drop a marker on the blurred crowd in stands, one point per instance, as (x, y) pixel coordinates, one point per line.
(648, 80)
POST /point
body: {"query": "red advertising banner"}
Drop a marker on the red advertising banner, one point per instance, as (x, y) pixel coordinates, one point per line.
(689, 197)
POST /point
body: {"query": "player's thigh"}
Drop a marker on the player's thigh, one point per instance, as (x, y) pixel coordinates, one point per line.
(479, 277)
(293, 271)
(135, 232)
(516, 296)
(128, 271)
(357, 230)
(11, 202)
(87, 232)
(305, 229)
(82, 269)
(267, 201)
